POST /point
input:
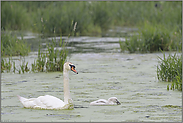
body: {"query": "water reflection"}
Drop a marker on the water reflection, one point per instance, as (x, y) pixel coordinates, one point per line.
(85, 44)
(81, 44)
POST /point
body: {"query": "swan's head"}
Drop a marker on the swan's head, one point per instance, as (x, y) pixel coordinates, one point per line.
(114, 100)
(69, 66)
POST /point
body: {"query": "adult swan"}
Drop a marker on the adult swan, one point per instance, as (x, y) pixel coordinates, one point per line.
(51, 102)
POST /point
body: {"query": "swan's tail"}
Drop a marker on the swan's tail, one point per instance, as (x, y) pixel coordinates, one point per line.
(28, 103)
(22, 99)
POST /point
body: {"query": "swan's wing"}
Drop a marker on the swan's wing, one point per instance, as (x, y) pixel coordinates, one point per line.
(48, 102)
(42, 102)
(99, 102)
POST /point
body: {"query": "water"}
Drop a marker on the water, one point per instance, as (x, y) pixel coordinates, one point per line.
(103, 72)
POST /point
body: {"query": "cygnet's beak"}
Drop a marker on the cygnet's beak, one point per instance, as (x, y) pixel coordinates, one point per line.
(118, 103)
(73, 69)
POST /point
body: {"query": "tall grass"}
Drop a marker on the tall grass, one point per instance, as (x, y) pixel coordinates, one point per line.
(12, 46)
(170, 70)
(6, 65)
(51, 60)
(93, 17)
(54, 57)
(153, 38)
(14, 16)
(55, 21)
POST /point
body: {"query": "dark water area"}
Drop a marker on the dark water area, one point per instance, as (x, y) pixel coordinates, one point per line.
(109, 42)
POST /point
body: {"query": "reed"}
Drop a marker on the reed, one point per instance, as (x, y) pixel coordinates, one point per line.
(51, 60)
(14, 16)
(24, 67)
(153, 38)
(54, 17)
(6, 65)
(11, 46)
(170, 70)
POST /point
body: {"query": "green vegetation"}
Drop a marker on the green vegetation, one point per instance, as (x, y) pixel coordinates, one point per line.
(170, 70)
(5, 65)
(153, 38)
(11, 46)
(53, 59)
(9, 66)
(23, 67)
(172, 106)
(92, 17)
(14, 16)
(50, 60)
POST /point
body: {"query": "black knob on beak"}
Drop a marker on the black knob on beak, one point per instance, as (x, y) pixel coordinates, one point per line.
(118, 103)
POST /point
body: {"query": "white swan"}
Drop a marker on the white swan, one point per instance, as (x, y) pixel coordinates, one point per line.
(51, 102)
(110, 101)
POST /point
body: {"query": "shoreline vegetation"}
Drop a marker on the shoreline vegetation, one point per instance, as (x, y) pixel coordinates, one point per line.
(159, 29)
(170, 70)
(93, 18)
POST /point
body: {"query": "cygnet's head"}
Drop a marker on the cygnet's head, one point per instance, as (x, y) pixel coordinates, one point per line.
(114, 100)
(69, 66)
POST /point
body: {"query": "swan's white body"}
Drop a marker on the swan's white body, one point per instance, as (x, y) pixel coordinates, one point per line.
(45, 102)
(110, 101)
(51, 102)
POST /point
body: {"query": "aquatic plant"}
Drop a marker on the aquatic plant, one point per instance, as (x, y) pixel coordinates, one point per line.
(97, 16)
(14, 16)
(40, 62)
(170, 70)
(5, 65)
(23, 67)
(9, 66)
(52, 59)
(131, 45)
(153, 38)
(11, 46)
(34, 67)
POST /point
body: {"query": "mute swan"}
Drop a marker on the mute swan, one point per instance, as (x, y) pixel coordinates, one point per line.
(110, 101)
(51, 102)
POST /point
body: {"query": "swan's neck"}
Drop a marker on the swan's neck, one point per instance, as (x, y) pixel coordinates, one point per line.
(66, 86)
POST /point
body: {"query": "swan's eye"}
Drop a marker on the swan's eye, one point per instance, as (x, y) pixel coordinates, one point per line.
(72, 66)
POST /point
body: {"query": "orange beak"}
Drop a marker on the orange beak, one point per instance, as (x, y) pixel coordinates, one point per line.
(73, 69)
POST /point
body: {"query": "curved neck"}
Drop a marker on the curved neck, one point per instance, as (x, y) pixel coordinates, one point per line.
(66, 86)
